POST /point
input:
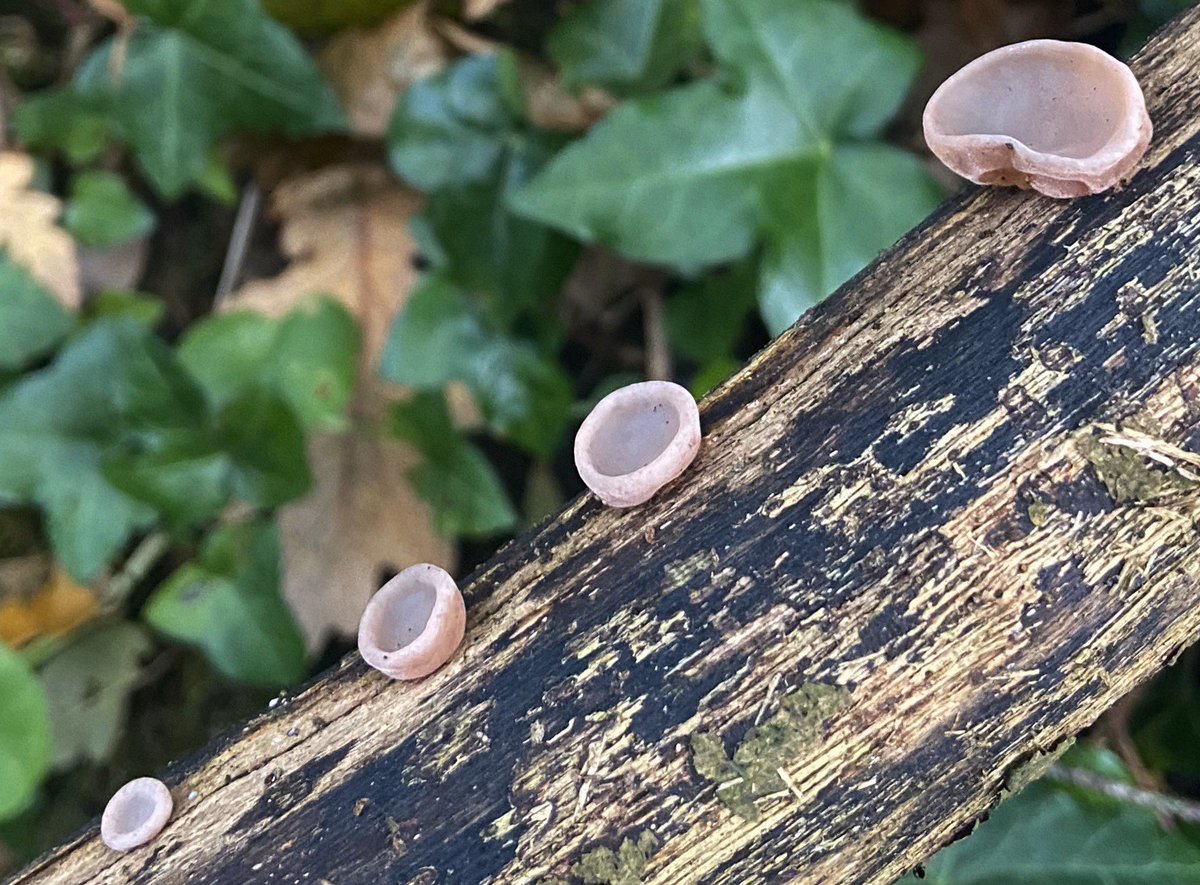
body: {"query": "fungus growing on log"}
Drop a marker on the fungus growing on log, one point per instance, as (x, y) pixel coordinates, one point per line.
(1065, 119)
(636, 440)
(413, 624)
(136, 814)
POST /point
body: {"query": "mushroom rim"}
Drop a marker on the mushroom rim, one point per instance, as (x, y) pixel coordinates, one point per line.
(446, 595)
(667, 465)
(1125, 138)
(162, 806)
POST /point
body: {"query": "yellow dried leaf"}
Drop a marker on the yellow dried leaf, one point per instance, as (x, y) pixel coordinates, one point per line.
(59, 606)
(361, 518)
(29, 234)
(370, 68)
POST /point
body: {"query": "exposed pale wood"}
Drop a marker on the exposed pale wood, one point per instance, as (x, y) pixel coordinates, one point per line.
(860, 513)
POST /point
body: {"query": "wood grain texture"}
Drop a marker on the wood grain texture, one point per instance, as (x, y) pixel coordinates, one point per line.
(892, 497)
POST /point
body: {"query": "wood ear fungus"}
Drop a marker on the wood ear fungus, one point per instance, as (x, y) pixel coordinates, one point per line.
(136, 814)
(413, 624)
(636, 440)
(1065, 119)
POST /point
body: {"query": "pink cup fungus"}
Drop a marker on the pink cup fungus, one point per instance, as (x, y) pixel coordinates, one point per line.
(1065, 119)
(636, 440)
(413, 624)
(136, 814)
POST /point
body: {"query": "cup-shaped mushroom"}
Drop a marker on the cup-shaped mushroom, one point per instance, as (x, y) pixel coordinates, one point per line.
(135, 814)
(636, 440)
(413, 624)
(1065, 119)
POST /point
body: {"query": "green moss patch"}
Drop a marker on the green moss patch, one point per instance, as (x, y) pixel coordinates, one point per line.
(754, 769)
(624, 866)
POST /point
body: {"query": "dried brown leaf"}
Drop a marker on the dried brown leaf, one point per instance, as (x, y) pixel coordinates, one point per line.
(44, 600)
(29, 234)
(474, 10)
(345, 229)
(362, 518)
(369, 68)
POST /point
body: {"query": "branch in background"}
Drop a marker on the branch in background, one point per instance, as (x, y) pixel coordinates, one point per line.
(139, 563)
(1171, 807)
(239, 241)
(658, 351)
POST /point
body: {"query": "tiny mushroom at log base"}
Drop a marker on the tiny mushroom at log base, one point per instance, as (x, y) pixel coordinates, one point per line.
(136, 814)
(1065, 119)
(636, 440)
(413, 624)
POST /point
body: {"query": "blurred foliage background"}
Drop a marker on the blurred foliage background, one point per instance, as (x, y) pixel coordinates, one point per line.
(293, 295)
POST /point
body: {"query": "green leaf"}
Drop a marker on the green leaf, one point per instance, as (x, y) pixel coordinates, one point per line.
(821, 236)
(113, 385)
(706, 320)
(228, 604)
(1050, 836)
(698, 175)
(103, 211)
(87, 686)
(24, 733)
(447, 130)
(65, 120)
(195, 70)
(32, 321)
(254, 451)
(625, 45)
(459, 484)
(309, 358)
(486, 248)
(146, 310)
(441, 336)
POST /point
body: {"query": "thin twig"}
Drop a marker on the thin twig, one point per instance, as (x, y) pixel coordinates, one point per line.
(143, 558)
(1162, 805)
(658, 351)
(239, 242)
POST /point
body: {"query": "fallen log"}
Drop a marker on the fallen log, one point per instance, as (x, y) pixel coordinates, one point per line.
(933, 531)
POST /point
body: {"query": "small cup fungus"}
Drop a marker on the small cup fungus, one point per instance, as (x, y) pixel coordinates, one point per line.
(1065, 119)
(135, 814)
(413, 624)
(636, 440)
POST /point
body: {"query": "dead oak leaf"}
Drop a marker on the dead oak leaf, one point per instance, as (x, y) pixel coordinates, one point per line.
(345, 229)
(362, 518)
(29, 234)
(370, 68)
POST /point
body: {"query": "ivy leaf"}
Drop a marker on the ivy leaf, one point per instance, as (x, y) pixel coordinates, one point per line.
(78, 125)
(227, 603)
(447, 130)
(194, 71)
(115, 383)
(692, 177)
(1050, 836)
(455, 479)
(24, 733)
(87, 686)
(461, 136)
(32, 321)
(706, 319)
(442, 336)
(308, 357)
(103, 212)
(625, 46)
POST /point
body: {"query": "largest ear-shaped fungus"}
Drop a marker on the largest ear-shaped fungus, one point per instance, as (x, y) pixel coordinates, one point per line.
(1064, 119)
(413, 624)
(636, 440)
